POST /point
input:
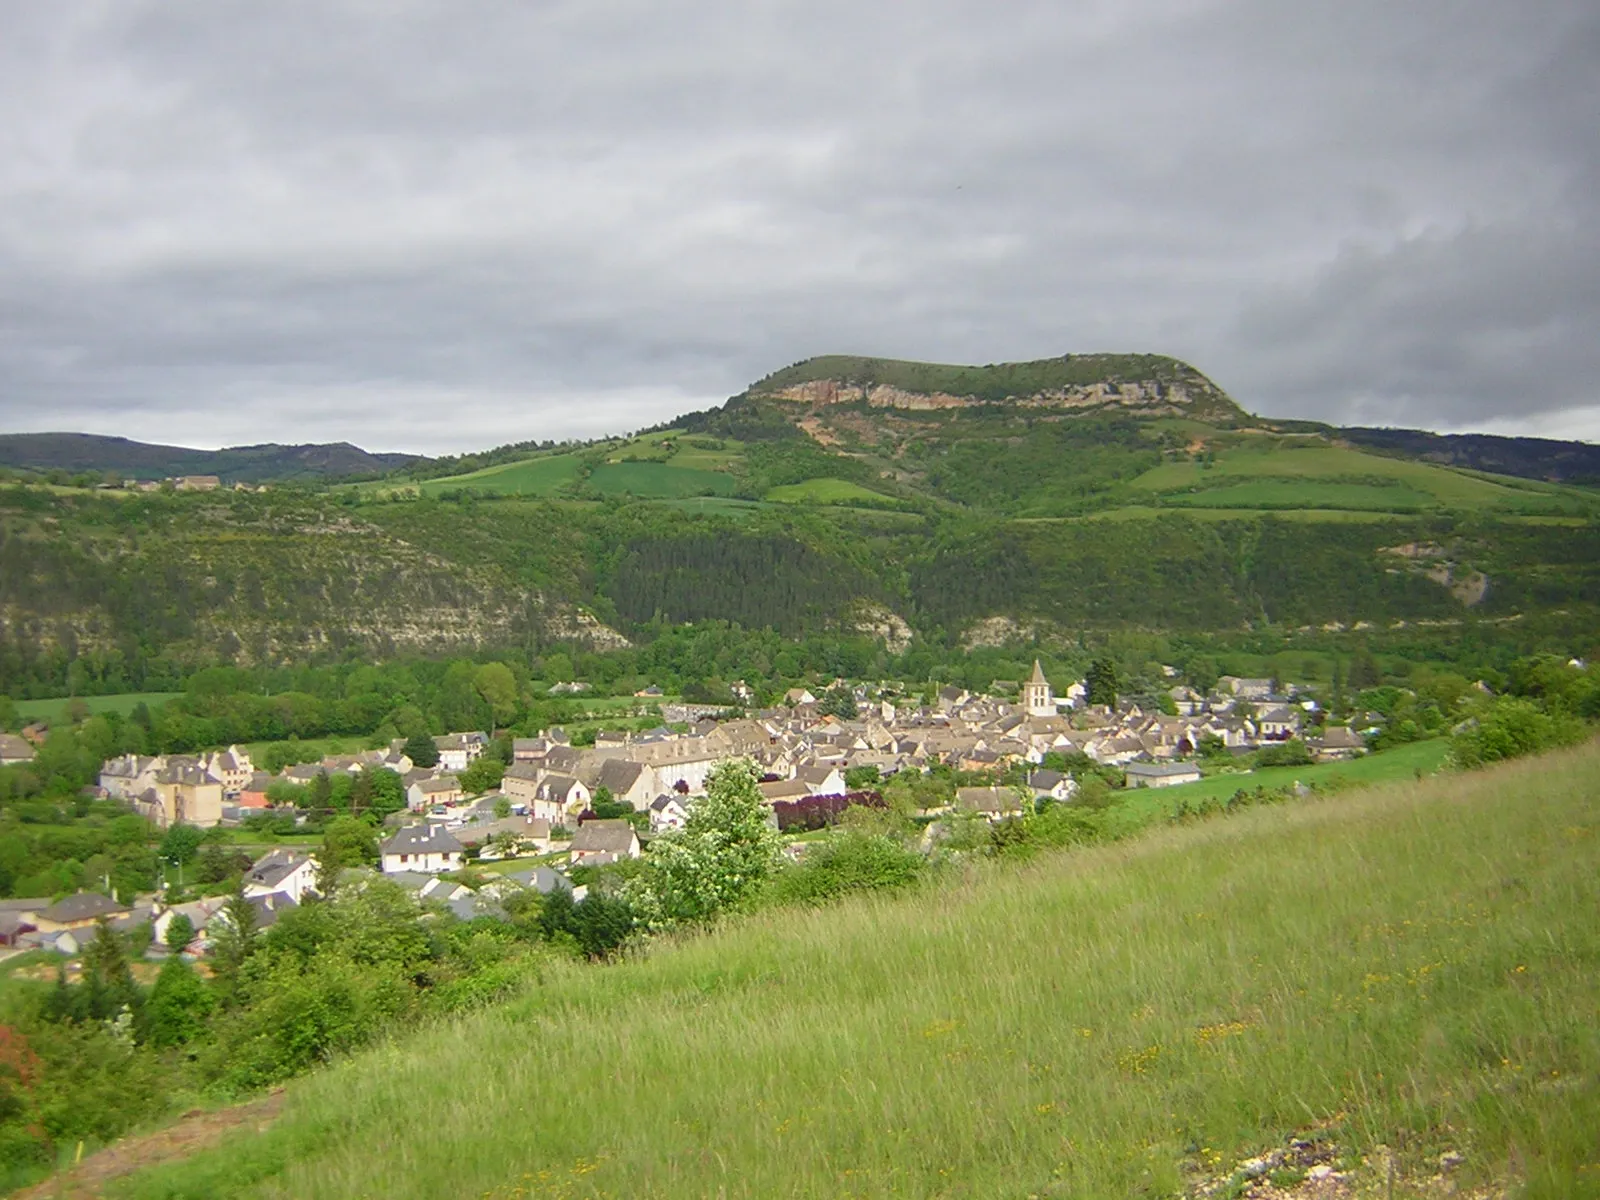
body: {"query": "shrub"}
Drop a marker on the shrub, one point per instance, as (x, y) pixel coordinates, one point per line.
(1292, 753)
(178, 1006)
(848, 862)
(818, 812)
(1509, 728)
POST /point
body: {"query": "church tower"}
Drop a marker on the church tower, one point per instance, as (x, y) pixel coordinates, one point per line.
(1037, 697)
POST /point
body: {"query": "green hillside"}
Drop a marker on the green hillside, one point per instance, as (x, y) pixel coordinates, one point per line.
(824, 491)
(544, 475)
(1064, 518)
(659, 480)
(1399, 978)
(1310, 473)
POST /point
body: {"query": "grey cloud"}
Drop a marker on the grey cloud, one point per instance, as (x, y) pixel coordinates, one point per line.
(429, 226)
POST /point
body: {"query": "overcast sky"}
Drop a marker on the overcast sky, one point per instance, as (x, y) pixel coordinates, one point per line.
(437, 225)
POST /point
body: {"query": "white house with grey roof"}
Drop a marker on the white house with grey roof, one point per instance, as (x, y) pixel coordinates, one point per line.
(282, 871)
(428, 848)
(600, 842)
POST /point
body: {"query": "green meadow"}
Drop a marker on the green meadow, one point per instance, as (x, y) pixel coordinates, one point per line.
(1316, 475)
(652, 480)
(1419, 759)
(54, 710)
(542, 476)
(1403, 972)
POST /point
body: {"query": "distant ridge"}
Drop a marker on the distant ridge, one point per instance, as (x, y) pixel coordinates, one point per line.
(1528, 457)
(88, 452)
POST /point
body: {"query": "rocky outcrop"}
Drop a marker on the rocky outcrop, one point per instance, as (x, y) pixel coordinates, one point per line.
(1149, 399)
(888, 626)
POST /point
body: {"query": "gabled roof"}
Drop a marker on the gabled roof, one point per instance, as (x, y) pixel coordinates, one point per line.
(618, 775)
(541, 879)
(269, 907)
(563, 758)
(276, 865)
(1341, 737)
(14, 747)
(438, 786)
(188, 774)
(558, 785)
(785, 789)
(428, 838)
(604, 837)
(1161, 770)
(83, 906)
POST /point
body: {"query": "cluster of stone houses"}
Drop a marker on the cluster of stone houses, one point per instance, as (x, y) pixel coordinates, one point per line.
(171, 788)
(551, 783)
(275, 883)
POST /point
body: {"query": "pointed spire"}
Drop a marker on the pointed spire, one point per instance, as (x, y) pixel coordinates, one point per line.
(1038, 673)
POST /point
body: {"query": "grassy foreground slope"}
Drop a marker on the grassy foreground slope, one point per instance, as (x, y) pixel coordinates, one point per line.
(1413, 966)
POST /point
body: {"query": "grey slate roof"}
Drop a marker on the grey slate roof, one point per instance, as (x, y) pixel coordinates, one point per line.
(603, 837)
(423, 839)
(84, 906)
(275, 866)
(269, 907)
(541, 879)
(1160, 770)
(618, 775)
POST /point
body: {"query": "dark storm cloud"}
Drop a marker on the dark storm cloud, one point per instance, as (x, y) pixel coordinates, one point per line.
(438, 226)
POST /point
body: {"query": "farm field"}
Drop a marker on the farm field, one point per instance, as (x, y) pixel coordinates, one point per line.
(55, 709)
(1393, 975)
(541, 476)
(824, 491)
(658, 480)
(1335, 464)
(680, 449)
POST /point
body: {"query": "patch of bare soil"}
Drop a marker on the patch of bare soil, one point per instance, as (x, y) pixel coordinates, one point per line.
(194, 1131)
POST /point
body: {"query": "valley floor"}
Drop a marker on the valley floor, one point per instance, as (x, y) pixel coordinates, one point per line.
(1402, 975)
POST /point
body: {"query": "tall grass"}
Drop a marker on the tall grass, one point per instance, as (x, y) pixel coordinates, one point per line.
(1413, 966)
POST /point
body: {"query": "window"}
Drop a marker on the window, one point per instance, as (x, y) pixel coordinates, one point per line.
(405, 858)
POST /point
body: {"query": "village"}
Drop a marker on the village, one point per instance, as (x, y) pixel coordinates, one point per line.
(559, 809)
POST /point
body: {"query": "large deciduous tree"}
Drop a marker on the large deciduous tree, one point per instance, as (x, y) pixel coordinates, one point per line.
(498, 687)
(1101, 682)
(724, 851)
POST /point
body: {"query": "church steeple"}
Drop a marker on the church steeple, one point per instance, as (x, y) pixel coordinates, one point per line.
(1037, 697)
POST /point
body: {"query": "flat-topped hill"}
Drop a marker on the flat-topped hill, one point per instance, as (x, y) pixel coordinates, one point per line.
(1146, 384)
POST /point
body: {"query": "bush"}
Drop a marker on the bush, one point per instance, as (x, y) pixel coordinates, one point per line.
(178, 1006)
(848, 862)
(1292, 753)
(1509, 728)
(818, 812)
(299, 1015)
